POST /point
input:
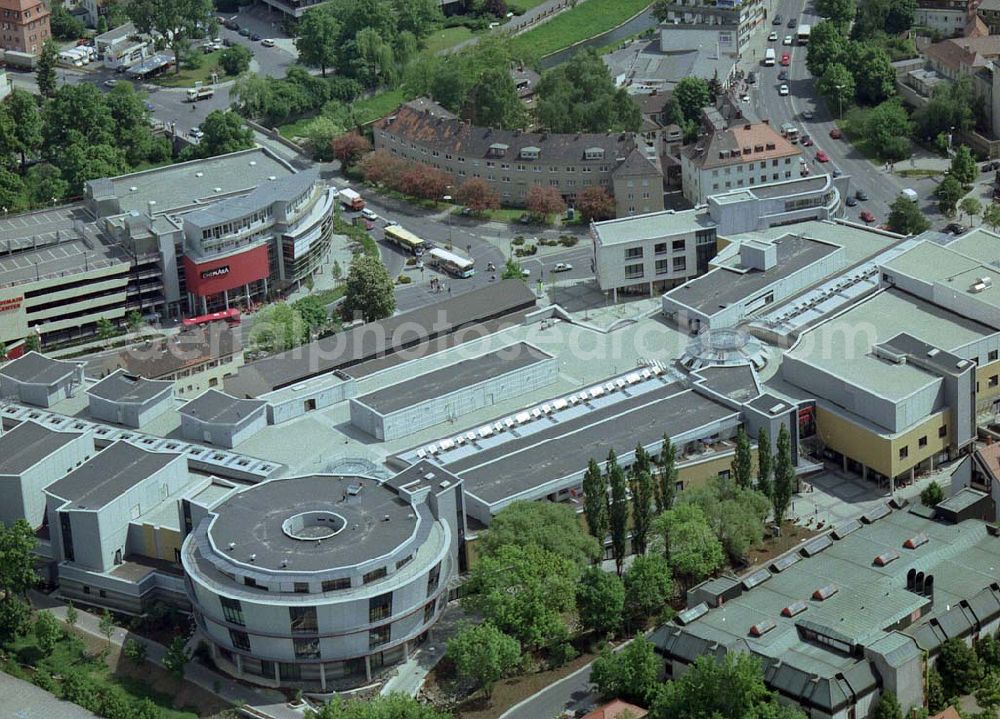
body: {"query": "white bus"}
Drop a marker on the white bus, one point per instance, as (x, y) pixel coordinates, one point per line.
(803, 35)
(451, 263)
(405, 239)
(769, 57)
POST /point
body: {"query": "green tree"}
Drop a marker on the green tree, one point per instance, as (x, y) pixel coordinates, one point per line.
(963, 166)
(764, 462)
(899, 16)
(225, 132)
(887, 707)
(838, 11)
(948, 193)
(43, 185)
(80, 162)
(991, 216)
(71, 614)
(959, 668)
(649, 587)
(15, 618)
(970, 206)
(176, 20)
(105, 329)
(631, 673)
(736, 514)
(692, 548)
(33, 342)
(595, 502)
(887, 129)
(741, 467)
(483, 654)
(17, 559)
(276, 328)
(318, 32)
(176, 657)
(12, 192)
(905, 217)
(524, 592)
(27, 120)
(45, 69)
(65, 26)
(666, 485)
(988, 693)
(135, 650)
(369, 294)
(641, 488)
(547, 525)
(580, 96)
(337, 272)
(936, 700)
(313, 312)
(827, 46)
(133, 320)
(988, 652)
(235, 60)
(692, 94)
(76, 115)
(874, 76)
(47, 632)
(393, 706)
(107, 625)
(837, 87)
(375, 58)
(600, 601)
(493, 102)
(512, 270)
(730, 688)
(952, 105)
(617, 510)
(784, 476)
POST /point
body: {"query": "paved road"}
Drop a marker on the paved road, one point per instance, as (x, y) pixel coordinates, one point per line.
(571, 693)
(882, 187)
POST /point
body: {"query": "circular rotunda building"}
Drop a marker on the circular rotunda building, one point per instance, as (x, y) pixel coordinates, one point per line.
(322, 581)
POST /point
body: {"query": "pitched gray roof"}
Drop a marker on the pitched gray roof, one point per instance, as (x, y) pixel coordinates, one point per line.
(267, 193)
(35, 368)
(107, 475)
(129, 389)
(28, 444)
(220, 408)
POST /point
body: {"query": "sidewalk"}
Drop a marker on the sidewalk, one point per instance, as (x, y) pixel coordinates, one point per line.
(516, 25)
(266, 702)
(102, 345)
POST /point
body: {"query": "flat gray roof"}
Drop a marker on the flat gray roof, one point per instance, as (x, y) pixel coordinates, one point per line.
(190, 183)
(414, 331)
(283, 189)
(723, 286)
(28, 444)
(770, 190)
(649, 226)
(35, 368)
(253, 518)
(129, 389)
(107, 475)
(518, 465)
(446, 380)
(50, 244)
(736, 382)
(220, 408)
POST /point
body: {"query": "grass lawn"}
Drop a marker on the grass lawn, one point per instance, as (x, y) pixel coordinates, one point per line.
(366, 110)
(446, 38)
(295, 129)
(852, 124)
(519, 7)
(919, 173)
(187, 78)
(585, 20)
(80, 653)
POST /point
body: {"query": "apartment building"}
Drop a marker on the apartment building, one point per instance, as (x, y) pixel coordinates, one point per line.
(512, 161)
(989, 11)
(24, 25)
(739, 156)
(947, 17)
(733, 22)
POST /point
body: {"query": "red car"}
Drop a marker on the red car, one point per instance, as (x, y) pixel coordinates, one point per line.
(807, 141)
(786, 59)
(822, 157)
(867, 216)
(835, 133)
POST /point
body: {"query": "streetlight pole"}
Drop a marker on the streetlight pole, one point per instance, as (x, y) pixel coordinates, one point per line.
(840, 101)
(447, 198)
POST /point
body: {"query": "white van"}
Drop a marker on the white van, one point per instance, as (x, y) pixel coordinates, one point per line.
(910, 194)
(769, 57)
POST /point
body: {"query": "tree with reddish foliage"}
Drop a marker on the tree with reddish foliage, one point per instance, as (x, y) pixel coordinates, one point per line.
(545, 201)
(424, 181)
(476, 194)
(383, 168)
(594, 203)
(350, 148)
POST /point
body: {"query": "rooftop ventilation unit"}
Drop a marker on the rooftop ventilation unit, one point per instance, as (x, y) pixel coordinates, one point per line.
(199, 174)
(845, 528)
(794, 609)
(354, 489)
(253, 557)
(761, 628)
(917, 540)
(781, 564)
(876, 514)
(691, 614)
(756, 579)
(824, 593)
(886, 558)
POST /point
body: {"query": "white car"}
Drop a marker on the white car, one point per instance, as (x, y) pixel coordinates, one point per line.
(773, 37)
(525, 272)
(787, 40)
(196, 133)
(267, 42)
(783, 90)
(562, 267)
(369, 214)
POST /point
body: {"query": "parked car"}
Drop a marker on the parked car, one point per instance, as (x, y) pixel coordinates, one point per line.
(777, 20)
(110, 82)
(256, 38)
(836, 134)
(836, 172)
(867, 216)
(369, 214)
(990, 166)
(806, 140)
(956, 228)
(369, 225)
(751, 78)
(562, 267)
(822, 156)
(267, 42)
(851, 202)
(783, 90)
(861, 195)
(773, 37)
(196, 133)
(808, 115)
(245, 31)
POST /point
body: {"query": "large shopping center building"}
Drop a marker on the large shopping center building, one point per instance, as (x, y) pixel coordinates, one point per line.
(186, 239)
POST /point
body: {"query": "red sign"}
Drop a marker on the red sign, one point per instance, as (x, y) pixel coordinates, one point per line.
(11, 304)
(207, 278)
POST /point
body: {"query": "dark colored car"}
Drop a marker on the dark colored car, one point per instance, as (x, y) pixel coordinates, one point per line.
(783, 75)
(751, 78)
(245, 31)
(861, 195)
(777, 20)
(808, 115)
(851, 202)
(867, 216)
(835, 133)
(256, 38)
(791, 22)
(955, 228)
(806, 141)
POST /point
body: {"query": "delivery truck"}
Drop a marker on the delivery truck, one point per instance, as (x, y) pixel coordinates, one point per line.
(351, 200)
(194, 94)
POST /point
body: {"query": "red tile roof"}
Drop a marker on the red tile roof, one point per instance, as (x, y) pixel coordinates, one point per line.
(990, 456)
(740, 144)
(615, 710)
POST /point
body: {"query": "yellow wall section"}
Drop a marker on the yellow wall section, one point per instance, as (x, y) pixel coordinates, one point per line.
(881, 453)
(985, 395)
